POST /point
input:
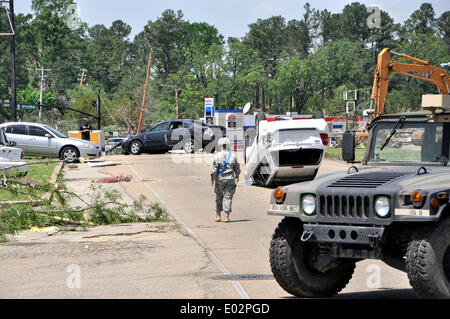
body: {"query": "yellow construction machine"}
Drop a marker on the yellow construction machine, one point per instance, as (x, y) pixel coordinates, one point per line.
(385, 66)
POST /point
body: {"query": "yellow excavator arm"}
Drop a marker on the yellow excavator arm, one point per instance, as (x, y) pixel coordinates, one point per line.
(385, 66)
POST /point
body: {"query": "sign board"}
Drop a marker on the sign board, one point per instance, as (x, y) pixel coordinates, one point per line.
(209, 109)
(28, 107)
(231, 120)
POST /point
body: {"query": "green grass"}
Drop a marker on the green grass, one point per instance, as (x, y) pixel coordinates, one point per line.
(336, 153)
(37, 174)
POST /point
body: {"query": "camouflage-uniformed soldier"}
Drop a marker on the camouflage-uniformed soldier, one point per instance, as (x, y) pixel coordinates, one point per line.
(224, 176)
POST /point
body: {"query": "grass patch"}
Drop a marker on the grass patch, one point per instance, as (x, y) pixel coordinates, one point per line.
(336, 153)
(101, 207)
(38, 174)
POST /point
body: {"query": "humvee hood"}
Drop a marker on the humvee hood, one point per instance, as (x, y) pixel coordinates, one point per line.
(371, 177)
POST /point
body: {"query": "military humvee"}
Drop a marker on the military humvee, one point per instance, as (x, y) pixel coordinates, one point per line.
(394, 207)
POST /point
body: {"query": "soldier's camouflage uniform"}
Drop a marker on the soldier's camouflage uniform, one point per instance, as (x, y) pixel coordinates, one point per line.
(225, 182)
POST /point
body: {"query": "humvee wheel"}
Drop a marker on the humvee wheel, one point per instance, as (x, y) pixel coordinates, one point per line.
(428, 261)
(289, 258)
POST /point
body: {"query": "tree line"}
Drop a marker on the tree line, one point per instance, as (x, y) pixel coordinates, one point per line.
(301, 65)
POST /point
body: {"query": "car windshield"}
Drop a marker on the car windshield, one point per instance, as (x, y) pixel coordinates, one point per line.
(57, 133)
(416, 143)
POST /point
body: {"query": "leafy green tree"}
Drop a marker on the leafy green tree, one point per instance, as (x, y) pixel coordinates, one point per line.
(329, 26)
(354, 22)
(107, 55)
(245, 72)
(443, 25)
(52, 44)
(166, 37)
(31, 95)
(421, 20)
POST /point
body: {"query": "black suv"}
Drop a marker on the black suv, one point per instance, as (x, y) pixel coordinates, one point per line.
(187, 135)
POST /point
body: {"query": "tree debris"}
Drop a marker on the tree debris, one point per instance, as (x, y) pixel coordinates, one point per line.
(116, 179)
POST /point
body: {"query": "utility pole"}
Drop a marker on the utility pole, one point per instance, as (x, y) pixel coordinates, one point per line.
(13, 60)
(41, 96)
(176, 103)
(13, 63)
(141, 112)
(82, 76)
(99, 114)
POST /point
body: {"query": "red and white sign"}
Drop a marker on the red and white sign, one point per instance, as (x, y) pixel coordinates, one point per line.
(209, 102)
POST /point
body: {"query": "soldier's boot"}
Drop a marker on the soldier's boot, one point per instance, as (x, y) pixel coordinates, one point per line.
(227, 217)
(218, 217)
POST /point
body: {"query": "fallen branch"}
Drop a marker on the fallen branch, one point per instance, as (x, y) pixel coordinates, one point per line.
(62, 211)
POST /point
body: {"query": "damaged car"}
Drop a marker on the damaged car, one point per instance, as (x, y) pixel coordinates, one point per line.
(11, 158)
(285, 151)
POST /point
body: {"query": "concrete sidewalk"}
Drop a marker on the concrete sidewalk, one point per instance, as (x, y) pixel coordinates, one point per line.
(146, 260)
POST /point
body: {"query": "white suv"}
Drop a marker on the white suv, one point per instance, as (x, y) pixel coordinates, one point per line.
(285, 151)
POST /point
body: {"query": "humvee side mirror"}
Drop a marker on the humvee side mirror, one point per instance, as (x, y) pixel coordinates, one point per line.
(348, 147)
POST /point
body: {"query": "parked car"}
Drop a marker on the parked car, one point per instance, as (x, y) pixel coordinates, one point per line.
(11, 158)
(43, 140)
(285, 151)
(187, 135)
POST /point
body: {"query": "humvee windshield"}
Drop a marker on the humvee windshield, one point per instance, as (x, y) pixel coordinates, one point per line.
(415, 143)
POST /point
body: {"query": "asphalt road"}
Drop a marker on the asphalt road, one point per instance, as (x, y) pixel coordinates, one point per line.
(190, 257)
(239, 249)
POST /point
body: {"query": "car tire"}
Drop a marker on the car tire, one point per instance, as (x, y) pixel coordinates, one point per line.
(135, 147)
(70, 154)
(189, 146)
(428, 261)
(289, 263)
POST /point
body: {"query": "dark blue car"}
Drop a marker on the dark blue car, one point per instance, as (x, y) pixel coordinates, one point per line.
(187, 135)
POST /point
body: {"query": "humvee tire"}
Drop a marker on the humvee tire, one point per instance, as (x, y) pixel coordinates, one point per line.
(428, 261)
(288, 256)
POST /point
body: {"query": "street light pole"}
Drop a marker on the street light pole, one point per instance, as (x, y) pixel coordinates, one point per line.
(99, 113)
(13, 64)
(141, 112)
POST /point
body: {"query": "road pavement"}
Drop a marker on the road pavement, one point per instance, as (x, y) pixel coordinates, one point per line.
(190, 257)
(181, 181)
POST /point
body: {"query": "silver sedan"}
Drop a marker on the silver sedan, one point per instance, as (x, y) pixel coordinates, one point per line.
(43, 140)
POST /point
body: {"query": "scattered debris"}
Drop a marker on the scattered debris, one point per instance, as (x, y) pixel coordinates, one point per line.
(50, 229)
(72, 166)
(145, 180)
(101, 164)
(116, 179)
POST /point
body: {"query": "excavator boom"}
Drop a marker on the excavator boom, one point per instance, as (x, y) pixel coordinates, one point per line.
(385, 66)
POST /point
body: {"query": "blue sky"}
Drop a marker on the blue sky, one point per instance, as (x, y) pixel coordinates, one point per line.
(230, 17)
